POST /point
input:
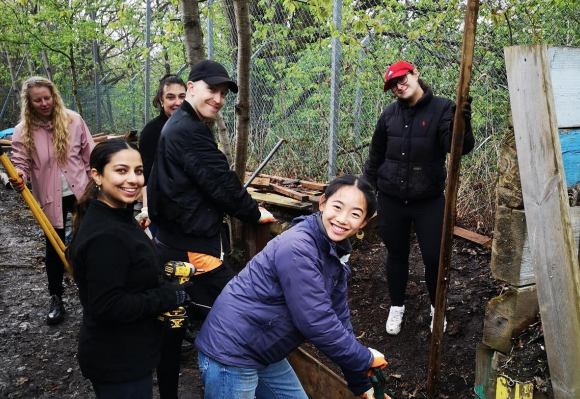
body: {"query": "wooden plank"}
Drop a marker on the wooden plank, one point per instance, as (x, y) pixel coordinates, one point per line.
(565, 72)
(472, 236)
(259, 182)
(256, 236)
(289, 192)
(511, 258)
(507, 315)
(313, 185)
(6, 142)
(318, 380)
(488, 363)
(279, 200)
(547, 215)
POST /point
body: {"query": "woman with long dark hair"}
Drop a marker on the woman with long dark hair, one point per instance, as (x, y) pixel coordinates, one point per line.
(51, 148)
(116, 271)
(170, 95)
(407, 163)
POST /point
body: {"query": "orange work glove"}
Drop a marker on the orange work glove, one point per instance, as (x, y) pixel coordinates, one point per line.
(265, 216)
(17, 184)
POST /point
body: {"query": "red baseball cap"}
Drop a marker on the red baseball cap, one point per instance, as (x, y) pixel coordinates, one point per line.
(397, 69)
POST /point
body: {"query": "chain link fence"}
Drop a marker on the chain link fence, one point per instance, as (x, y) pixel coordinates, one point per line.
(291, 77)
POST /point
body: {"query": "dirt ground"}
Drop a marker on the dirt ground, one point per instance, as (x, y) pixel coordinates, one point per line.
(39, 361)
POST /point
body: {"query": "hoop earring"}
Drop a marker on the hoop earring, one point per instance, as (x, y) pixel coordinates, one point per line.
(360, 234)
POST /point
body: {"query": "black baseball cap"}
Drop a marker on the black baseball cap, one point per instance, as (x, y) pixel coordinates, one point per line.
(212, 73)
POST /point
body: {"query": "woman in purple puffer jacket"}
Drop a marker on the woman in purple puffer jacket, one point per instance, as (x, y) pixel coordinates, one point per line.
(294, 290)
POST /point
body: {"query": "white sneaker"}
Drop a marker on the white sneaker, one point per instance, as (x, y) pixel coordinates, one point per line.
(395, 319)
(444, 320)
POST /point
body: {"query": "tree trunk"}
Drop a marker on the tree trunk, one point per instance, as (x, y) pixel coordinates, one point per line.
(192, 31)
(75, 85)
(226, 146)
(46, 63)
(11, 70)
(241, 9)
(234, 38)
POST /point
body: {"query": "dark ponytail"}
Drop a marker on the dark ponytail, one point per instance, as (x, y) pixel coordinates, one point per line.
(100, 157)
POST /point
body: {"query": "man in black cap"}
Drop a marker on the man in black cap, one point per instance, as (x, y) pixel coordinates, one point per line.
(190, 188)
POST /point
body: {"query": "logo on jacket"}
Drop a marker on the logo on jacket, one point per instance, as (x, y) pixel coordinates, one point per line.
(423, 123)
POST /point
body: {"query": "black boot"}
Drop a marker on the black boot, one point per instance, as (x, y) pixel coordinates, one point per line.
(55, 311)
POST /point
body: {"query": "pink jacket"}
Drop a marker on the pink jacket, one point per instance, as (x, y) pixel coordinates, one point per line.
(45, 173)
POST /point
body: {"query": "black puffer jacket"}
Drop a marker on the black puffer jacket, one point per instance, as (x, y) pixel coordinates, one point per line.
(407, 154)
(191, 186)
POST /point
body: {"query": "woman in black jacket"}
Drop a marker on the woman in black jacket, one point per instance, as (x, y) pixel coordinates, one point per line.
(407, 163)
(115, 268)
(170, 94)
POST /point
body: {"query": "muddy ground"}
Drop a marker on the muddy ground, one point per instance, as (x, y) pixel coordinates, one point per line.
(38, 361)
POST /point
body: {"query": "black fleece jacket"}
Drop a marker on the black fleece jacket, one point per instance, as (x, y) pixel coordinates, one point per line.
(119, 287)
(191, 186)
(407, 154)
(148, 140)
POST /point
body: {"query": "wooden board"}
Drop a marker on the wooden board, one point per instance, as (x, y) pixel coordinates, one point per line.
(548, 222)
(487, 366)
(259, 182)
(314, 186)
(289, 192)
(473, 237)
(507, 315)
(318, 380)
(279, 200)
(565, 72)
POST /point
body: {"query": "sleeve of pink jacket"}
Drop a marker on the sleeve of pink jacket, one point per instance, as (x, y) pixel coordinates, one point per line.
(20, 158)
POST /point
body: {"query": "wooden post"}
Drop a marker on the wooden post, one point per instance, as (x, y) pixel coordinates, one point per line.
(552, 246)
(451, 195)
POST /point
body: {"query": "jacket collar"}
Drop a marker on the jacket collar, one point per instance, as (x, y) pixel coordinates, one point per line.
(122, 214)
(186, 106)
(426, 99)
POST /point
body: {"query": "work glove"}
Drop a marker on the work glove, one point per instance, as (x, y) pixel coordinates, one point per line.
(265, 216)
(378, 360)
(370, 394)
(179, 289)
(466, 114)
(17, 184)
(143, 218)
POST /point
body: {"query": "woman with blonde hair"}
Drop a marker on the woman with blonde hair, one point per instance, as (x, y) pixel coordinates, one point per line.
(51, 148)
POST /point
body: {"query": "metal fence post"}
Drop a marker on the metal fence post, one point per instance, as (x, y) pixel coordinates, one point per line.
(358, 98)
(209, 31)
(334, 91)
(148, 59)
(96, 76)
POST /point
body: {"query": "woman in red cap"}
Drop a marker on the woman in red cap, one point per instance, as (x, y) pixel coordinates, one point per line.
(407, 163)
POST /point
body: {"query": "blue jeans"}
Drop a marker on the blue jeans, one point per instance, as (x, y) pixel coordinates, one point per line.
(277, 381)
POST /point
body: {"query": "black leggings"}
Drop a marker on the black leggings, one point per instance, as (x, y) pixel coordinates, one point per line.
(395, 218)
(206, 288)
(54, 266)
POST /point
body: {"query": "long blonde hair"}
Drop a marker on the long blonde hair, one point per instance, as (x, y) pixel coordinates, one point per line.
(29, 117)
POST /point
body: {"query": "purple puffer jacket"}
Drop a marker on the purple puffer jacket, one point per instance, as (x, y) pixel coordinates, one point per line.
(292, 291)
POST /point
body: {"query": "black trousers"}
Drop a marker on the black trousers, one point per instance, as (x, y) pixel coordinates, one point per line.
(205, 290)
(54, 266)
(395, 218)
(141, 388)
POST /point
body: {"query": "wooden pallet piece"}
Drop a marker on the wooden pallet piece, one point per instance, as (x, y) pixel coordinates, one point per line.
(313, 185)
(473, 237)
(279, 200)
(289, 192)
(259, 182)
(318, 380)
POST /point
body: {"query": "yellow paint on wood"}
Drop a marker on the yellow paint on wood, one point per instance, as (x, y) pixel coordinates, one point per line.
(509, 389)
